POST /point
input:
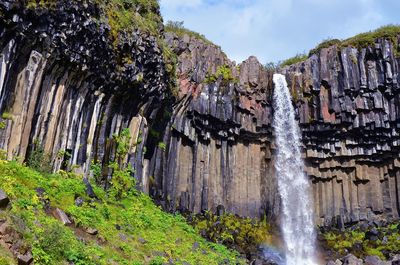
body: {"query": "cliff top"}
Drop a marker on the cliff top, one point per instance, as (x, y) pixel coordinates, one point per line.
(358, 41)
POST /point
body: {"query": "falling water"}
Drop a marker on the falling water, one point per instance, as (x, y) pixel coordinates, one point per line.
(297, 216)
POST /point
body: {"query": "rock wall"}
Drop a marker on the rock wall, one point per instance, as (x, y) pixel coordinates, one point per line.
(66, 87)
(348, 106)
(219, 137)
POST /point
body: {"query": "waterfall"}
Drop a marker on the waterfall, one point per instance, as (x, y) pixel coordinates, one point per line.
(297, 209)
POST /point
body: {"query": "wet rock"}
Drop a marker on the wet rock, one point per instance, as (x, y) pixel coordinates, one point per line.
(4, 200)
(336, 262)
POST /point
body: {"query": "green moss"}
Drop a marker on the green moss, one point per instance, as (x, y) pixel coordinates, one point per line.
(6, 116)
(120, 224)
(295, 59)
(355, 241)
(224, 73)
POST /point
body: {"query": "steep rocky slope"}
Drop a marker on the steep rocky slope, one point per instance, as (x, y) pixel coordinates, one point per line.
(67, 86)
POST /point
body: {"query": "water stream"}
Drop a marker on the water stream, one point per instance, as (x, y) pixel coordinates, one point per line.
(297, 209)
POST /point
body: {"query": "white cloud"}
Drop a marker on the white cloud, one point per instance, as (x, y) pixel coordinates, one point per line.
(277, 29)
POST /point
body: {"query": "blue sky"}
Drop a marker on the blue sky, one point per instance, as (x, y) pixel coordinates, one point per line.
(274, 30)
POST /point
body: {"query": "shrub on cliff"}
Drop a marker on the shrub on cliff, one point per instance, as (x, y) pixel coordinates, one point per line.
(364, 240)
(243, 234)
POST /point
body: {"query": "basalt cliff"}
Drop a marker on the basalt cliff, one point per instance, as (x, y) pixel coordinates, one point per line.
(66, 86)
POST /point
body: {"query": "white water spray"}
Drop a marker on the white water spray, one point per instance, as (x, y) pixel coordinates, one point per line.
(297, 210)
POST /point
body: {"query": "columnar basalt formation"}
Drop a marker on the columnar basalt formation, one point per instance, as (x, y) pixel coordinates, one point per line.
(348, 107)
(218, 142)
(67, 86)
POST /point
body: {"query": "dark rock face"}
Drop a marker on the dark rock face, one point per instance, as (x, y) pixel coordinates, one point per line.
(218, 142)
(66, 86)
(348, 106)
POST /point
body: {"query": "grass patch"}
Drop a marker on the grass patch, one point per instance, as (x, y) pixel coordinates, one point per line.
(179, 29)
(359, 41)
(363, 40)
(130, 231)
(295, 59)
(325, 44)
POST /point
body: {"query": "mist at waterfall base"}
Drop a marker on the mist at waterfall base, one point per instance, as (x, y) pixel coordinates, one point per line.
(296, 223)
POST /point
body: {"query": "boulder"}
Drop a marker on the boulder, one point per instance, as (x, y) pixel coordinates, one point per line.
(4, 200)
(396, 260)
(372, 234)
(351, 260)
(92, 231)
(25, 259)
(61, 216)
(337, 262)
(373, 260)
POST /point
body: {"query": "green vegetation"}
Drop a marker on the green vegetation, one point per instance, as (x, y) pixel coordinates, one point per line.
(242, 234)
(295, 59)
(366, 39)
(224, 73)
(357, 242)
(126, 15)
(359, 41)
(363, 40)
(122, 182)
(6, 116)
(6, 257)
(325, 44)
(131, 230)
(38, 159)
(178, 28)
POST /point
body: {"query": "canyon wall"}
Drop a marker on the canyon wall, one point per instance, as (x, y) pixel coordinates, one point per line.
(67, 88)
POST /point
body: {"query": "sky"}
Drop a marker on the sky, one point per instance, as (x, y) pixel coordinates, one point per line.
(275, 30)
